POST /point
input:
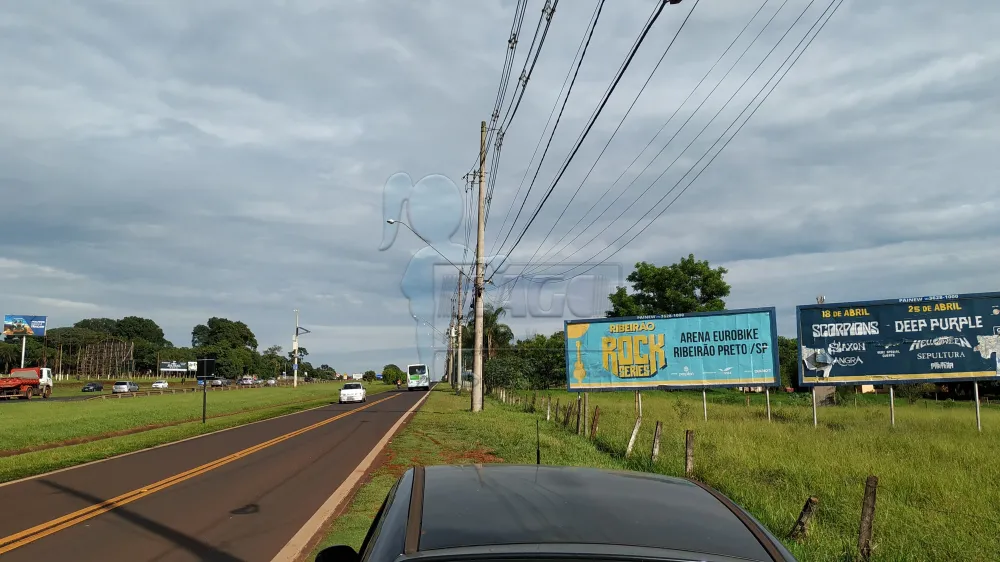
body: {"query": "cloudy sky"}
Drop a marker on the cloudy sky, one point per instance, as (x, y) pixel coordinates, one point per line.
(181, 160)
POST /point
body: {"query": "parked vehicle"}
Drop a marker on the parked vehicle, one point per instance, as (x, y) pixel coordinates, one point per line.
(160, 385)
(92, 387)
(418, 377)
(26, 382)
(272, 382)
(219, 382)
(122, 387)
(353, 392)
(449, 513)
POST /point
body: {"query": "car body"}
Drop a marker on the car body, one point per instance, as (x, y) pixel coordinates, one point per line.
(417, 377)
(121, 387)
(499, 512)
(353, 392)
(219, 382)
(272, 382)
(246, 381)
(160, 385)
(92, 387)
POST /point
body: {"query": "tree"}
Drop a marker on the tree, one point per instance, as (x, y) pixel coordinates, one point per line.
(222, 332)
(99, 325)
(544, 359)
(684, 287)
(788, 362)
(496, 334)
(391, 373)
(369, 376)
(137, 328)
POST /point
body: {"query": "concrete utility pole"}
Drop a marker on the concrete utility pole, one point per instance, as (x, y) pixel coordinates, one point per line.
(456, 383)
(477, 365)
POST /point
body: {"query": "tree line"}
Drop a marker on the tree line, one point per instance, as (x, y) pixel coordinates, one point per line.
(82, 349)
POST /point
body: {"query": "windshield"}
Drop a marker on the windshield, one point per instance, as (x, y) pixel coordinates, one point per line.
(418, 369)
(121, 383)
(352, 386)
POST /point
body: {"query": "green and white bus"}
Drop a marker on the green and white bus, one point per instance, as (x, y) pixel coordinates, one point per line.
(417, 377)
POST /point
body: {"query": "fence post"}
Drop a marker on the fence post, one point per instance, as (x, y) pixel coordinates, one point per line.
(656, 441)
(689, 453)
(586, 411)
(548, 408)
(801, 525)
(579, 409)
(631, 440)
(593, 423)
(557, 410)
(867, 518)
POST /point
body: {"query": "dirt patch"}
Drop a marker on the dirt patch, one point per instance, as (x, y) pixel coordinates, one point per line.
(473, 456)
(134, 430)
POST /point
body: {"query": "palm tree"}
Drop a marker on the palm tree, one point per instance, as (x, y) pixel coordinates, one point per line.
(496, 334)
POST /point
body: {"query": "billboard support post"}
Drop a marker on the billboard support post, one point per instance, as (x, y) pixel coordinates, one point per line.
(24, 345)
(704, 403)
(892, 406)
(815, 421)
(204, 399)
(975, 391)
(767, 397)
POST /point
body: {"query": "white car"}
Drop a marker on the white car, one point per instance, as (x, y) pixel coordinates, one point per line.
(353, 392)
(160, 385)
(272, 382)
(124, 386)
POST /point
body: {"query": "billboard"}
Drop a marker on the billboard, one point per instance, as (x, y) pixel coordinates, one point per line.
(922, 339)
(174, 366)
(21, 325)
(730, 348)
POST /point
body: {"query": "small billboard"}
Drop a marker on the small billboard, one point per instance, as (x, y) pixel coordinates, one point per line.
(176, 366)
(922, 339)
(22, 325)
(697, 350)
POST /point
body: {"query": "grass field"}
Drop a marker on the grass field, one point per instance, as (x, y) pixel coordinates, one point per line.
(938, 497)
(45, 423)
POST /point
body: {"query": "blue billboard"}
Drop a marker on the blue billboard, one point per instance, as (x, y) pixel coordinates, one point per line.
(708, 349)
(21, 325)
(922, 339)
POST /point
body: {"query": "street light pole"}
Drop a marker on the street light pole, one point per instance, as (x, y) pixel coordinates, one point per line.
(295, 353)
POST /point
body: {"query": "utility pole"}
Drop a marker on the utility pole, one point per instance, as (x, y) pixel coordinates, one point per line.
(295, 350)
(460, 362)
(477, 364)
(295, 353)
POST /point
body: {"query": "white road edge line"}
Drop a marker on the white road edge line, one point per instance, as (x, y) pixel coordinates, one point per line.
(98, 461)
(295, 549)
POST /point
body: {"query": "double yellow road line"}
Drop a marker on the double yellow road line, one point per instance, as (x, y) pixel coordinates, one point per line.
(28, 536)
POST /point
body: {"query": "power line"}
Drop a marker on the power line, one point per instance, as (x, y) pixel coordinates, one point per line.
(650, 143)
(698, 136)
(590, 126)
(613, 134)
(547, 12)
(581, 52)
(785, 73)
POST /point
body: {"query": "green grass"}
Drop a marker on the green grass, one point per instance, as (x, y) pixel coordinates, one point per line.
(40, 422)
(266, 403)
(938, 495)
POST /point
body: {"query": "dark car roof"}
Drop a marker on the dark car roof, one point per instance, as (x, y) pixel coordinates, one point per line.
(479, 505)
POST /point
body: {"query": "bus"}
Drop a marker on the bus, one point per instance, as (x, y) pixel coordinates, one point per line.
(417, 377)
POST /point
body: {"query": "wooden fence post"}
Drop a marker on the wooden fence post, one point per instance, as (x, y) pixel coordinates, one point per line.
(689, 453)
(801, 526)
(548, 408)
(557, 410)
(579, 409)
(867, 518)
(593, 423)
(656, 441)
(586, 411)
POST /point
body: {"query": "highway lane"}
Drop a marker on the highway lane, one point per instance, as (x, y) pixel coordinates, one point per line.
(237, 495)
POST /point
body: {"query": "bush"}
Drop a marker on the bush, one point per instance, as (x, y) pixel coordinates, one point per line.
(914, 392)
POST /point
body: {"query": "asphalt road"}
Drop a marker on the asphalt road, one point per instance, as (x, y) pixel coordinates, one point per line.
(237, 495)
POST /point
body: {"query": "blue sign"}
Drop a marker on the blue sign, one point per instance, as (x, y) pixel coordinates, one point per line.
(20, 325)
(709, 349)
(923, 339)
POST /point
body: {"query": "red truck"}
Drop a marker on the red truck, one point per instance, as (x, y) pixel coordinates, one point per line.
(26, 382)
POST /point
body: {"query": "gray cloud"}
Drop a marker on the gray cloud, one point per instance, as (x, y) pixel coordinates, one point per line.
(182, 160)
